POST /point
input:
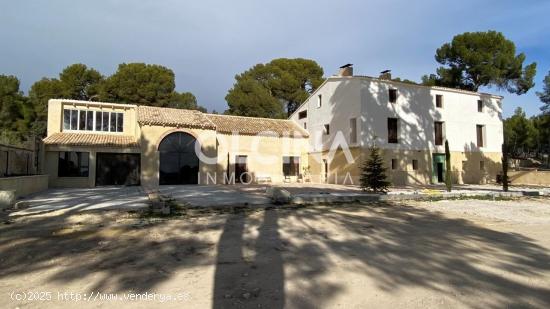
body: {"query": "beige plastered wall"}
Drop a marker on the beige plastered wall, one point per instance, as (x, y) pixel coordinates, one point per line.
(465, 166)
(52, 161)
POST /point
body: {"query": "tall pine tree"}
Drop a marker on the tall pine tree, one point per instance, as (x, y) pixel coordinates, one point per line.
(373, 172)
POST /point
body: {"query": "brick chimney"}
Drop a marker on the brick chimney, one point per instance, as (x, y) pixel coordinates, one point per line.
(386, 74)
(346, 70)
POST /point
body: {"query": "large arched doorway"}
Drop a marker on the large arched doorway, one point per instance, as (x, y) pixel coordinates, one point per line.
(179, 163)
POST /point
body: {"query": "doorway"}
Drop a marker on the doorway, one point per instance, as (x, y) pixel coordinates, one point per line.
(241, 170)
(438, 175)
(179, 164)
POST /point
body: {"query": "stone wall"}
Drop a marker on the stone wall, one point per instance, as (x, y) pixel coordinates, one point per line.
(24, 185)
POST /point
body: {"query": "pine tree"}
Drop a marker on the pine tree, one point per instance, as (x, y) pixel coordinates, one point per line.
(448, 182)
(373, 172)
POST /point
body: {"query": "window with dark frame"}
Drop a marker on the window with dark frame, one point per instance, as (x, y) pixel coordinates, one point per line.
(327, 129)
(393, 95)
(415, 164)
(73, 164)
(291, 165)
(392, 130)
(480, 106)
(438, 129)
(439, 100)
(479, 133)
(302, 114)
(393, 164)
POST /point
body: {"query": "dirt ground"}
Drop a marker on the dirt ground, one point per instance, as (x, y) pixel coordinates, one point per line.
(445, 254)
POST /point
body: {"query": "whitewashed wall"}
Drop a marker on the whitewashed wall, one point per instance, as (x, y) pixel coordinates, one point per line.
(367, 100)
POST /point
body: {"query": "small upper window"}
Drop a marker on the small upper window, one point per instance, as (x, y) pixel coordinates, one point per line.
(319, 100)
(415, 164)
(327, 129)
(393, 95)
(302, 114)
(439, 100)
(480, 106)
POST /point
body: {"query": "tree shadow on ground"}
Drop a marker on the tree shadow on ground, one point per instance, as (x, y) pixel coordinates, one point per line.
(287, 257)
(111, 254)
(400, 246)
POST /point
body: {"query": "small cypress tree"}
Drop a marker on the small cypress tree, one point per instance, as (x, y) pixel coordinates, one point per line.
(373, 172)
(448, 181)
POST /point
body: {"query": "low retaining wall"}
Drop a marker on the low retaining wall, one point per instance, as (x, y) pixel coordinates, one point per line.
(24, 185)
(537, 178)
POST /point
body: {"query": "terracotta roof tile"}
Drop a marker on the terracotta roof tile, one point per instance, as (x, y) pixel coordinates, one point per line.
(85, 139)
(254, 125)
(161, 116)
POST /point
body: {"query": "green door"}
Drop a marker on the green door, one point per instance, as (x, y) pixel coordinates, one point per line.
(438, 171)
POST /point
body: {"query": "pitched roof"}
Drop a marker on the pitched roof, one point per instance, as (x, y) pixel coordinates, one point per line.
(254, 125)
(85, 139)
(162, 116)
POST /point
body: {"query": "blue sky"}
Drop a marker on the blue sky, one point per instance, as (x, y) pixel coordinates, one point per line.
(207, 42)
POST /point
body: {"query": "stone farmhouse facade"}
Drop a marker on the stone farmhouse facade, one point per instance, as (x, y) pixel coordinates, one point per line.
(325, 141)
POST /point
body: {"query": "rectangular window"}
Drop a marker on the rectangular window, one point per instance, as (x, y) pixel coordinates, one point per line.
(119, 122)
(66, 119)
(98, 117)
(438, 128)
(480, 106)
(73, 164)
(291, 166)
(353, 130)
(302, 114)
(393, 164)
(481, 165)
(305, 125)
(89, 120)
(439, 100)
(327, 129)
(319, 100)
(113, 122)
(74, 119)
(479, 132)
(82, 120)
(393, 95)
(415, 164)
(105, 123)
(392, 130)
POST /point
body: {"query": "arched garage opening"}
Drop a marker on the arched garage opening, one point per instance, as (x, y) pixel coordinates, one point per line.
(179, 164)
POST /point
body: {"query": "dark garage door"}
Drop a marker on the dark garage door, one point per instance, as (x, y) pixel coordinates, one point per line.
(117, 169)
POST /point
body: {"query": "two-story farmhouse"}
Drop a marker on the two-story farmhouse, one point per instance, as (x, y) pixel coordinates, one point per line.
(325, 140)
